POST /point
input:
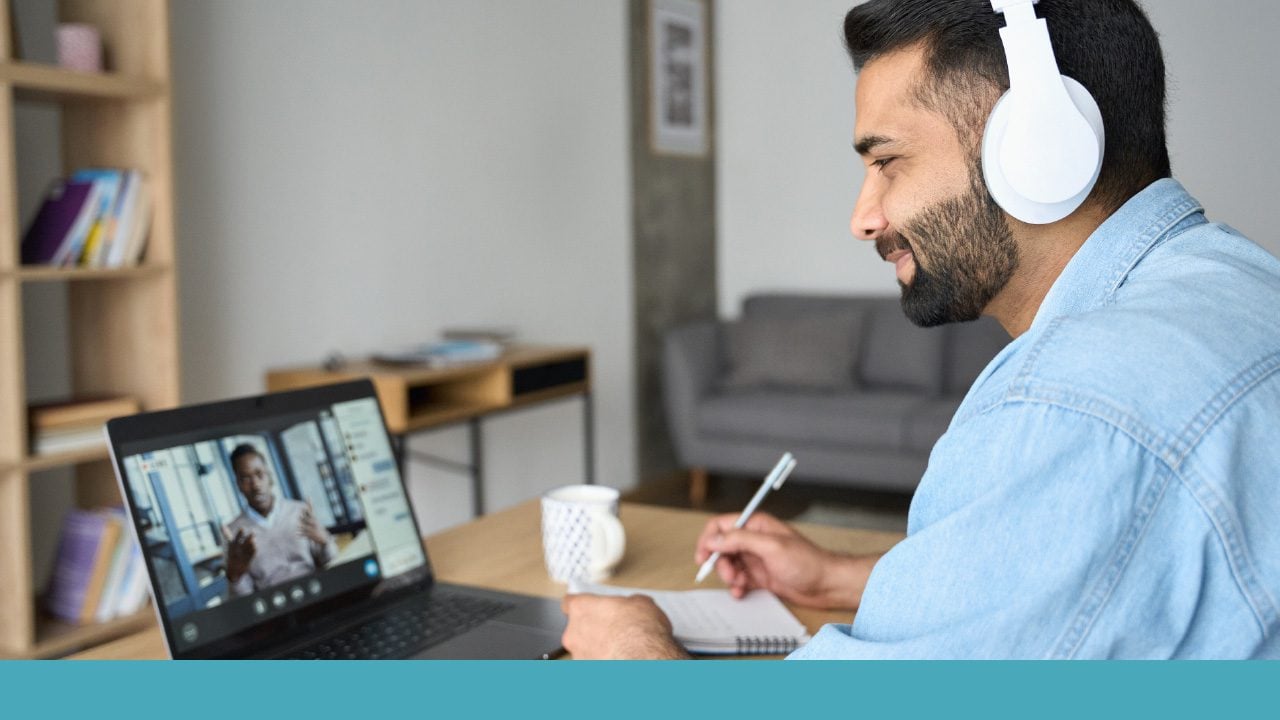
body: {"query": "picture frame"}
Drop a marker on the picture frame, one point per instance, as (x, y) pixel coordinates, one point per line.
(678, 103)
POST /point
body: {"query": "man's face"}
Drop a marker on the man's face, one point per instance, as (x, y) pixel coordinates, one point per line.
(923, 202)
(254, 480)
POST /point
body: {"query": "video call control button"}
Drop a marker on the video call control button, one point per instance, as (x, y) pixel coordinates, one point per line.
(296, 593)
(313, 586)
(259, 606)
(278, 600)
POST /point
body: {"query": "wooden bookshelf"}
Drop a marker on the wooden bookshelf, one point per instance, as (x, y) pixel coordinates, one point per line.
(42, 83)
(59, 638)
(121, 324)
(52, 274)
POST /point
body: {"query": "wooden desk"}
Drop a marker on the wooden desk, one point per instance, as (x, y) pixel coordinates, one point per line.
(503, 551)
(417, 398)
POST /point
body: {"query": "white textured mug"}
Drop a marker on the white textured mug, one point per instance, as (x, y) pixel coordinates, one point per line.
(582, 538)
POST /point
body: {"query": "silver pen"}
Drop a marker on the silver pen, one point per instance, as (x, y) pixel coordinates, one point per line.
(772, 481)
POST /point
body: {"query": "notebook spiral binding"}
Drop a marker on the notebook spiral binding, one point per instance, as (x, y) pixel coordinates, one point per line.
(766, 645)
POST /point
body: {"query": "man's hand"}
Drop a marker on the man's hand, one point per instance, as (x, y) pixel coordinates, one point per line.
(310, 527)
(767, 553)
(240, 552)
(618, 628)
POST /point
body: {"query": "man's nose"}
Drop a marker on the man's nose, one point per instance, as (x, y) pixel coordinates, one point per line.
(868, 220)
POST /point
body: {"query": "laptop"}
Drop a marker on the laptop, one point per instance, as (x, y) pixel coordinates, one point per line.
(278, 526)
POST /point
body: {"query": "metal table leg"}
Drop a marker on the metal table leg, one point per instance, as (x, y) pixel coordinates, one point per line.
(589, 437)
(477, 468)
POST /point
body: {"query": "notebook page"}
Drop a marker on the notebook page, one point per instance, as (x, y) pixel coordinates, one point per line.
(715, 616)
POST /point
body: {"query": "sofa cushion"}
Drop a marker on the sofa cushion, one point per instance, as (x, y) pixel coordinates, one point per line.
(897, 355)
(971, 346)
(815, 350)
(928, 422)
(850, 419)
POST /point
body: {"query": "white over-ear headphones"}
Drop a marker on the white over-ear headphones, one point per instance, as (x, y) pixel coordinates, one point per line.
(1042, 149)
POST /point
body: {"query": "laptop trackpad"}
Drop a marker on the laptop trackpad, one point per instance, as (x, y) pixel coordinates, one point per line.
(496, 641)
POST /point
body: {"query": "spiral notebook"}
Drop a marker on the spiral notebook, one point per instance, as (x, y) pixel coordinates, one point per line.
(713, 622)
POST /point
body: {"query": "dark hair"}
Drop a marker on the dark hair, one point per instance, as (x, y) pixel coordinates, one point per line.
(242, 450)
(1108, 46)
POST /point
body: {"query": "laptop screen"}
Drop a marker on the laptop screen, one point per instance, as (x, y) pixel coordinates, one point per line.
(267, 518)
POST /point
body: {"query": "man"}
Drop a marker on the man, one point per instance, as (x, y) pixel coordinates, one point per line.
(274, 539)
(1108, 488)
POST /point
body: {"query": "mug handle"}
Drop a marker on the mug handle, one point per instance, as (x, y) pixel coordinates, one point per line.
(607, 534)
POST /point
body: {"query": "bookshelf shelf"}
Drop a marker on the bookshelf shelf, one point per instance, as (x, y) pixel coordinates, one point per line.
(55, 638)
(36, 463)
(54, 274)
(45, 83)
(120, 325)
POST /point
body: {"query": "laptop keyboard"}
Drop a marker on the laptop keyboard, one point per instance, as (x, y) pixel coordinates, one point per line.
(405, 628)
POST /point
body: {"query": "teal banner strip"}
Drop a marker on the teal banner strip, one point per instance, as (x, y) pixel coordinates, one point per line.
(712, 689)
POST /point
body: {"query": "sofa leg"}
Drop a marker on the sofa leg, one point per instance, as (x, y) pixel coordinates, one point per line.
(697, 487)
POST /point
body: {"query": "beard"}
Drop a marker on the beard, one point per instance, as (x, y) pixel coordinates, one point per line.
(971, 256)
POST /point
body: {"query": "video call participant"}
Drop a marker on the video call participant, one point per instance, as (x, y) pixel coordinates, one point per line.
(1107, 489)
(274, 539)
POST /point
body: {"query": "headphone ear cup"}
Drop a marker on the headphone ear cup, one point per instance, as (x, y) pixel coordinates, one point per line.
(1005, 193)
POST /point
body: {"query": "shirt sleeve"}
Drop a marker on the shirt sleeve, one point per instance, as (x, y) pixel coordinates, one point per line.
(324, 554)
(1018, 532)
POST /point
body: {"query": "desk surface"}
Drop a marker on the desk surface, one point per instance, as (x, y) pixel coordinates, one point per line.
(503, 551)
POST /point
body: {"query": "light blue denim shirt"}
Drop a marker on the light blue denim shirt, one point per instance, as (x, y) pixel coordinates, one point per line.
(1110, 486)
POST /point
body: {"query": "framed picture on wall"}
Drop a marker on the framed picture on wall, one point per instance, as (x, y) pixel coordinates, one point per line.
(678, 77)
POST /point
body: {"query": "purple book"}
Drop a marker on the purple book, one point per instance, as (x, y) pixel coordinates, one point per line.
(62, 207)
(83, 532)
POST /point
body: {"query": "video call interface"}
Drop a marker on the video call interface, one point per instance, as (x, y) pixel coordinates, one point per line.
(245, 527)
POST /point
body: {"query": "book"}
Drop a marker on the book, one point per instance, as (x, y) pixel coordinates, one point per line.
(104, 609)
(108, 181)
(134, 201)
(504, 336)
(81, 411)
(47, 442)
(106, 550)
(135, 586)
(83, 540)
(69, 252)
(136, 226)
(713, 622)
(444, 354)
(58, 215)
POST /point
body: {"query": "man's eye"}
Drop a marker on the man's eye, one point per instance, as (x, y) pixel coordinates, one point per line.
(882, 162)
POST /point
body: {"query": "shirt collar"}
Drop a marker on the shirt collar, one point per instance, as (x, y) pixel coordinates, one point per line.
(263, 520)
(1107, 257)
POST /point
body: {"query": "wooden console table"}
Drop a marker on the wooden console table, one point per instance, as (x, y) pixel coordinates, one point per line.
(418, 398)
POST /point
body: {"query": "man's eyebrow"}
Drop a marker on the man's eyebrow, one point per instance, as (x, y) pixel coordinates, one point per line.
(867, 143)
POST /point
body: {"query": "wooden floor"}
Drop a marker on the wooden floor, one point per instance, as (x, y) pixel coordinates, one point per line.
(730, 495)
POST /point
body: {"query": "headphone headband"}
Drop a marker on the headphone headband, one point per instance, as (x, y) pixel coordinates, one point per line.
(1042, 149)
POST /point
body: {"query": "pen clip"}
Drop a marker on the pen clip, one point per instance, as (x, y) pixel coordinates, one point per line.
(786, 472)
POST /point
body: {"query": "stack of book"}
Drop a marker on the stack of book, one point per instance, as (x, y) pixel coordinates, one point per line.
(99, 573)
(448, 353)
(76, 424)
(97, 218)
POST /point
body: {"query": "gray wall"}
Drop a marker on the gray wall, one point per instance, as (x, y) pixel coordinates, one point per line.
(788, 176)
(357, 176)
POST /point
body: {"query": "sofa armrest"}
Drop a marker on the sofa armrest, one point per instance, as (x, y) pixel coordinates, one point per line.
(691, 367)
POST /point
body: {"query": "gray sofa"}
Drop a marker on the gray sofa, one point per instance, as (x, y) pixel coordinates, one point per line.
(848, 384)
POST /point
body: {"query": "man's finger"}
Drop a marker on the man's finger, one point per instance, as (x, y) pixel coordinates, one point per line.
(746, 541)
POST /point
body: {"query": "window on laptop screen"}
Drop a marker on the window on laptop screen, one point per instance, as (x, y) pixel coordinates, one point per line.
(246, 524)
